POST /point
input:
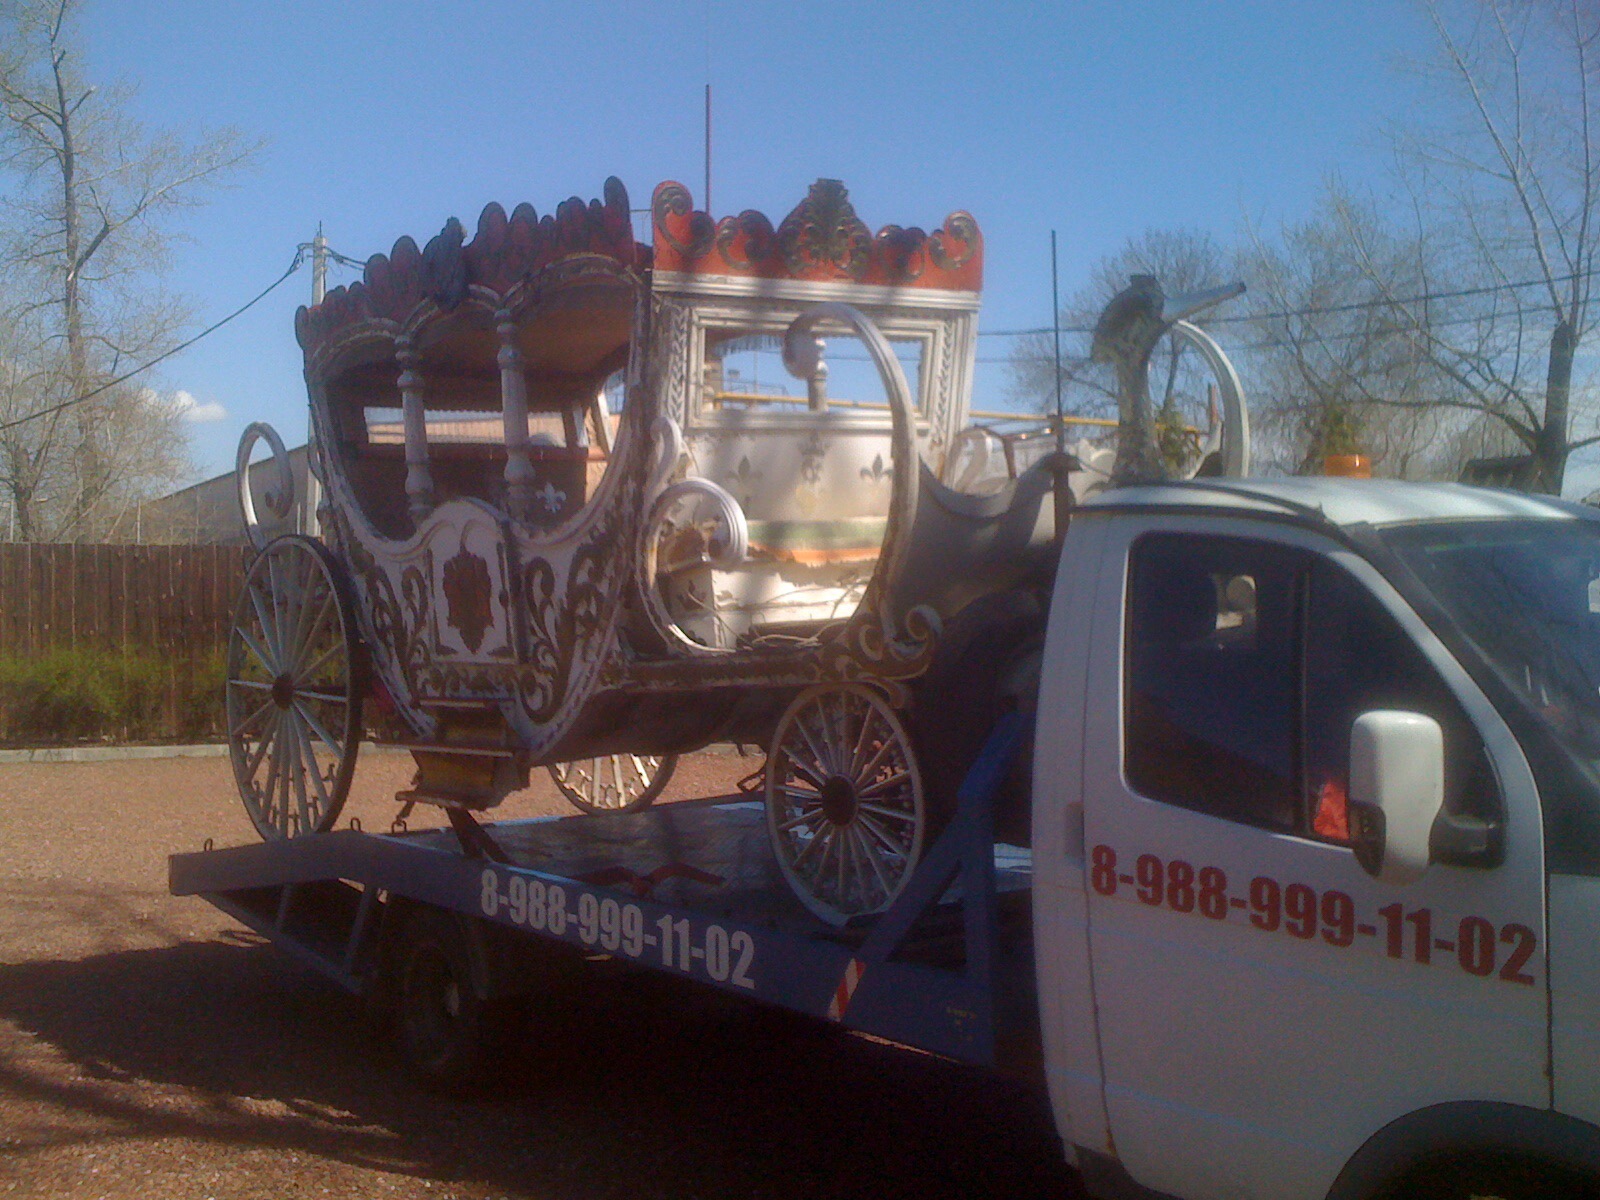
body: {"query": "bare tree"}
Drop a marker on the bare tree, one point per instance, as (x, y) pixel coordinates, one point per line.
(1183, 260)
(86, 228)
(1334, 361)
(1502, 189)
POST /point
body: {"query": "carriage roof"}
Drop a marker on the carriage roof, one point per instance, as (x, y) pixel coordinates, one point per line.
(820, 241)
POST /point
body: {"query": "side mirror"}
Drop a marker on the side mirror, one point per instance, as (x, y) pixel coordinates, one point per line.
(1396, 792)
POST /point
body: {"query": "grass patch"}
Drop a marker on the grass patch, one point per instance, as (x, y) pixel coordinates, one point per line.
(68, 695)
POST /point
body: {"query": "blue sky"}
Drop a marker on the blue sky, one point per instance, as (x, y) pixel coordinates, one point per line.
(1098, 120)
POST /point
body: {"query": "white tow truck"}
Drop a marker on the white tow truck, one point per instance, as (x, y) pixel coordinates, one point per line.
(1312, 902)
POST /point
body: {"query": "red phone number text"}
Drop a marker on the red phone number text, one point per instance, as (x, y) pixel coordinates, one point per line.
(1300, 911)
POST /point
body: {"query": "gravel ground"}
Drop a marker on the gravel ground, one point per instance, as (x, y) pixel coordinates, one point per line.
(152, 1049)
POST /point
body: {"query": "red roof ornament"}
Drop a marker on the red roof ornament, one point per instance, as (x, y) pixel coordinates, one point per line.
(504, 251)
(822, 239)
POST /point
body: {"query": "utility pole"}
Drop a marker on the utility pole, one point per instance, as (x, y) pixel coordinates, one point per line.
(319, 266)
(309, 524)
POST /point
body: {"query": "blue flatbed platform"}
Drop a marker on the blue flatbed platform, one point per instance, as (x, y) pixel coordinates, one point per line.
(690, 889)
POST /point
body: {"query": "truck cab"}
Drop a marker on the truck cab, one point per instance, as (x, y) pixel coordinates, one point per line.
(1316, 838)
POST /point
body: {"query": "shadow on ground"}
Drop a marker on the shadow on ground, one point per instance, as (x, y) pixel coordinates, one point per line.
(629, 1087)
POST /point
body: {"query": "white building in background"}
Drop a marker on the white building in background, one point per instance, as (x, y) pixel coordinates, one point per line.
(208, 512)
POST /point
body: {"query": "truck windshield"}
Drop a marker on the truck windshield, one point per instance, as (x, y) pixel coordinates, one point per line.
(1527, 596)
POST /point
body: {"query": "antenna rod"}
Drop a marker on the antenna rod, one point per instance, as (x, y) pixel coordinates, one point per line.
(708, 149)
(1055, 323)
(1060, 464)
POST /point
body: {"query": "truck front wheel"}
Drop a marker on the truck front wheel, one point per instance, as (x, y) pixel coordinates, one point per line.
(1491, 1177)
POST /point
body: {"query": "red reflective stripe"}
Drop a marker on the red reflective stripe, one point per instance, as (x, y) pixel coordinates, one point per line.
(846, 989)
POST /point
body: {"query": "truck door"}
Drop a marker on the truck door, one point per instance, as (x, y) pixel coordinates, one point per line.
(1264, 1004)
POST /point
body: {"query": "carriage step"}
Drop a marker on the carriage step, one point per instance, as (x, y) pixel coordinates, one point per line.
(462, 801)
(453, 748)
(448, 703)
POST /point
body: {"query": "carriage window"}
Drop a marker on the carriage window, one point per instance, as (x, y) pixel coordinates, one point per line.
(744, 372)
(386, 427)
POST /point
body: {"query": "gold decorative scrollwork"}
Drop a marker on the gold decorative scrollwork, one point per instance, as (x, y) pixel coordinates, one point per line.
(544, 682)
(560, 624)
(672, 200)
(397, 650)
(824, 230)
(756, 243)
(960, 228)
(870, 648)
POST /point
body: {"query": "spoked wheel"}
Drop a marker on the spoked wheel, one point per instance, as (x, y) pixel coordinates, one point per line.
(845, 806)
(293, 691)
(614, 782)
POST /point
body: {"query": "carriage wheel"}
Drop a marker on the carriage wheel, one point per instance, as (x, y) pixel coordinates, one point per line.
(293, 691)
(614, 782)
(844, 802)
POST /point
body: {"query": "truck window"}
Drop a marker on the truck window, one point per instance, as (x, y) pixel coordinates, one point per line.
(1248, 663)
(1358, 659)
(1212, 658)
(1524, 597)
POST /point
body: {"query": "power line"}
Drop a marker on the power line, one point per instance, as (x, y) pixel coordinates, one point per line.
(1424, 298)
(1278, 343)
(356, 264)
(1353, 306)
(344, 260)
(299, 260)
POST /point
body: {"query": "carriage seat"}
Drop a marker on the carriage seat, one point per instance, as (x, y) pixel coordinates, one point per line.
(816, 543)
(963, 546)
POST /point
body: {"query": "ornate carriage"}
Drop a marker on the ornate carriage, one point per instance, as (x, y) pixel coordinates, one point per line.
(568, 521)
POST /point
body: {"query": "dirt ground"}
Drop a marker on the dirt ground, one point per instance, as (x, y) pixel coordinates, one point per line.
(152, 1049)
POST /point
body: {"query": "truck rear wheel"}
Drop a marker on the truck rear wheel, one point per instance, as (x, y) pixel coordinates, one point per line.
(450, 1037)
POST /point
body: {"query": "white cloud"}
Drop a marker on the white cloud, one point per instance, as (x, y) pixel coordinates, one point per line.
(192, 410)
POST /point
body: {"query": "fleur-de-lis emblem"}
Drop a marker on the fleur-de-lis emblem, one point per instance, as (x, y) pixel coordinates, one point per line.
(744, 478)
(812, 452)
(745, 474)
(552, 497)
(877, 472)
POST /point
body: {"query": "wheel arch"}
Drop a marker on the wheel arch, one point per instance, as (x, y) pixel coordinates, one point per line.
(501, 962)
(402, 913)
(1463, 1127)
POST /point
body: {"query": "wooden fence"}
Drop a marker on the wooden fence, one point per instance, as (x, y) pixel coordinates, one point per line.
(167, 599)
(171, 604)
